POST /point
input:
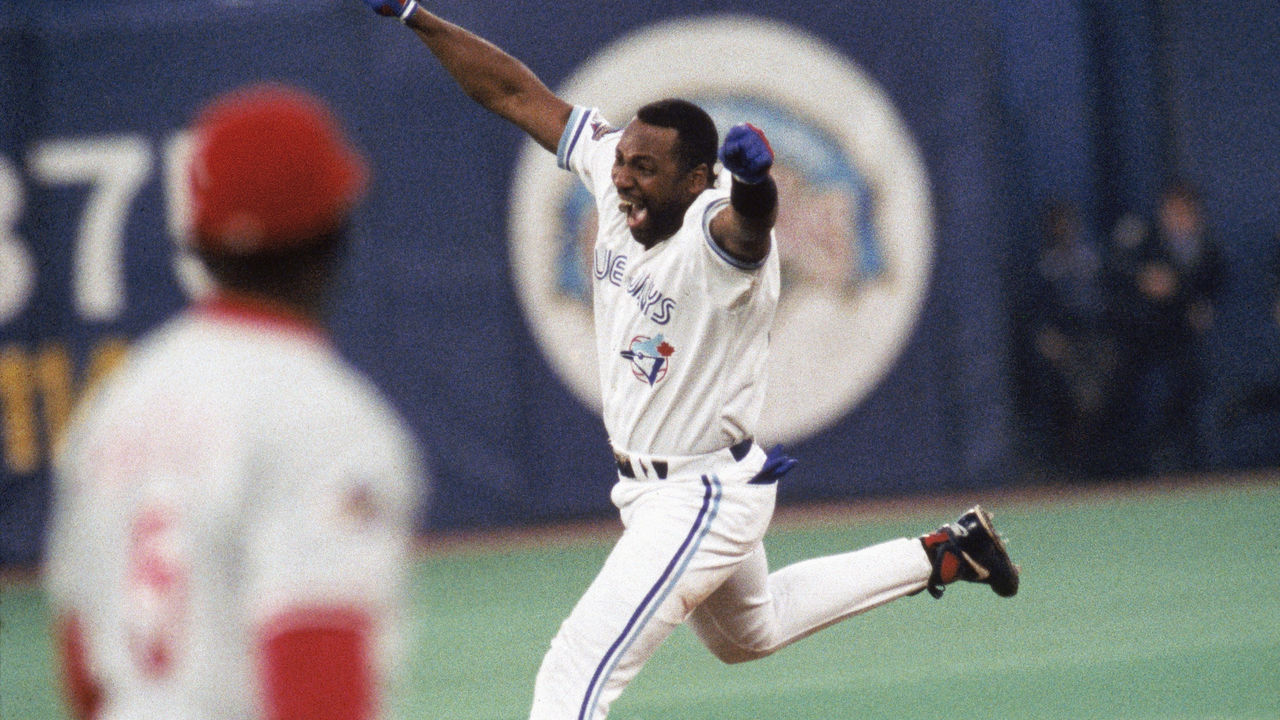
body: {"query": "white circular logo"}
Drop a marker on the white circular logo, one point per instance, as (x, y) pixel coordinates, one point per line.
(854, 221)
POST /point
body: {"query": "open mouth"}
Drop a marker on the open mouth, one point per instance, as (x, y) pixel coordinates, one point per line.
(635, 212)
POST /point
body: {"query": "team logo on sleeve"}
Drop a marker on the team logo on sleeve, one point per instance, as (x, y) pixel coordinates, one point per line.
(599, 129)
(855, 214)
(650, 358)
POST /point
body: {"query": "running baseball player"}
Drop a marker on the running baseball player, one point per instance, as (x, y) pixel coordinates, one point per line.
(682, 318)
(233, 508)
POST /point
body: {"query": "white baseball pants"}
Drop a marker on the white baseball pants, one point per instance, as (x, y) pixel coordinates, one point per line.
(692, 550)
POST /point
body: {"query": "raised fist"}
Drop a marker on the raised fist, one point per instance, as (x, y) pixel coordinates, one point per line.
(746, 153)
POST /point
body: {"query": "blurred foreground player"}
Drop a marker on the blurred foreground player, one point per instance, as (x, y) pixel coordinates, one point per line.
(683, 311)
(233, 507)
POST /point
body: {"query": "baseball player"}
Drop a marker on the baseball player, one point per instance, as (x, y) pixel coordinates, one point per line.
(233, 508)
(685, 289)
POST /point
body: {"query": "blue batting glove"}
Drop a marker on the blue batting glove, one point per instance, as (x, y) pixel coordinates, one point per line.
(746, 153)
(776, 463)
(392, 8)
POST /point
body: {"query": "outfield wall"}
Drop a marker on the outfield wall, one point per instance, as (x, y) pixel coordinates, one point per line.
(915, 140)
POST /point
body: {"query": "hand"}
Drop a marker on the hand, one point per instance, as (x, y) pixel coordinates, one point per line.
(390, 8)
(746, 153)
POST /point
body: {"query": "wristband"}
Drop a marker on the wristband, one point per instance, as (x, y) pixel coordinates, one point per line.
(754, 200)
(407, 12)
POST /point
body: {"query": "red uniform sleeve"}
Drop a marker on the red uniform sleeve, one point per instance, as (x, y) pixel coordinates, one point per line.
(316, 665)
(83, 693)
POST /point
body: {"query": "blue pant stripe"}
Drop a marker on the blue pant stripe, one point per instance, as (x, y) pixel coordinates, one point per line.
(653, 599)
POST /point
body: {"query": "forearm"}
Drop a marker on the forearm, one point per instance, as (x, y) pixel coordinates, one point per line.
(484, 71)
(493, 78)
(743, 229)
(757, 203)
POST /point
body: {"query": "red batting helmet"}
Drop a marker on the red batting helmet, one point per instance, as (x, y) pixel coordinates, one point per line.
(271, 170)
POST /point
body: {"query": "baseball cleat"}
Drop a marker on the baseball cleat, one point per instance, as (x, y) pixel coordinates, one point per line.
(970, 549)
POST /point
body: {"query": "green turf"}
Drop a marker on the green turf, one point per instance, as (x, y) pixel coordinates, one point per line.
(1158, 607)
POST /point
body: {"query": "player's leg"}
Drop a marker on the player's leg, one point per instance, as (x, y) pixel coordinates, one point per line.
(755, 613)
(681, 541)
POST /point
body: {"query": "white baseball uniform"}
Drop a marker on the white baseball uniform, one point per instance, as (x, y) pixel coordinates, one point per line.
(235, 487)
(682, 333)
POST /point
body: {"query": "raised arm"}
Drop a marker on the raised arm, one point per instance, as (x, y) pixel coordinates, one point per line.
(743, 228)
(487, 74)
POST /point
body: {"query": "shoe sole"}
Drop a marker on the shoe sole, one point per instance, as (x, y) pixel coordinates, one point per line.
(1001, 575)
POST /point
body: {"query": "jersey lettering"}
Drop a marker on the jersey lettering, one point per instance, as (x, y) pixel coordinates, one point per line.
(610, 265)
(653, 304)
(662, 313)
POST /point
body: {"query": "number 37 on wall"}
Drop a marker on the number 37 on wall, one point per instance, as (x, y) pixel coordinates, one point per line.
(115, 168)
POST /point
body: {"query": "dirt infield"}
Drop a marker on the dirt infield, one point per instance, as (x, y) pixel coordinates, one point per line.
(868, 509)
(819, 514)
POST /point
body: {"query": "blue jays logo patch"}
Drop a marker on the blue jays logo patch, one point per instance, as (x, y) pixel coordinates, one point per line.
(599, 129)
(650, 358)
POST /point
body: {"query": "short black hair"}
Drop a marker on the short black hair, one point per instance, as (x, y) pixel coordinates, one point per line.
(697, 140)
(280, 273)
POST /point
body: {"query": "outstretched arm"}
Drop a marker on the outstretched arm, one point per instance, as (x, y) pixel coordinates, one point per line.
(743, 228)
(486, 73)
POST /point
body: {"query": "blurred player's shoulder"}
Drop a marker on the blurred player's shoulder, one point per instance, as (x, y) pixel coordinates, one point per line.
(259, 371)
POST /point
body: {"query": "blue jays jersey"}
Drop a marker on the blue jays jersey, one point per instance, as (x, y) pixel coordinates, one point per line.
(682, 329)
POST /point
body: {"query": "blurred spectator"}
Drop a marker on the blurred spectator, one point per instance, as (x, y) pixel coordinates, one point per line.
(1264, 396)
(1275, 282)
(1072, 356)
(1273, 279)
(1164, 280)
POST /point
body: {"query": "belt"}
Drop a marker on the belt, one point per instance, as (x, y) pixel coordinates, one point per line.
(659, 467)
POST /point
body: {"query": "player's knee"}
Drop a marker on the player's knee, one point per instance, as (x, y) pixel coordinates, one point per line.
(736, 639)
(740, 655)
(733, 653)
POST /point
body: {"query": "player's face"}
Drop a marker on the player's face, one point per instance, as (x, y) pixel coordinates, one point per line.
(653, 191)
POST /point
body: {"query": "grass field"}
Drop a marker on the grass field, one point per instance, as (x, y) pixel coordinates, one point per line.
(1162, 604)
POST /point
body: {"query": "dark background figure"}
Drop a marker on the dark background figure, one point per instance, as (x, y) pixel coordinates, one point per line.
(1261, 396)
(1164, 280)
(1274, 281)
(1071, 355)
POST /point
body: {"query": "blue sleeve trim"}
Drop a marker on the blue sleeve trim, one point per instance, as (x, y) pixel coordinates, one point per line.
(715, 207)
(569, 139)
